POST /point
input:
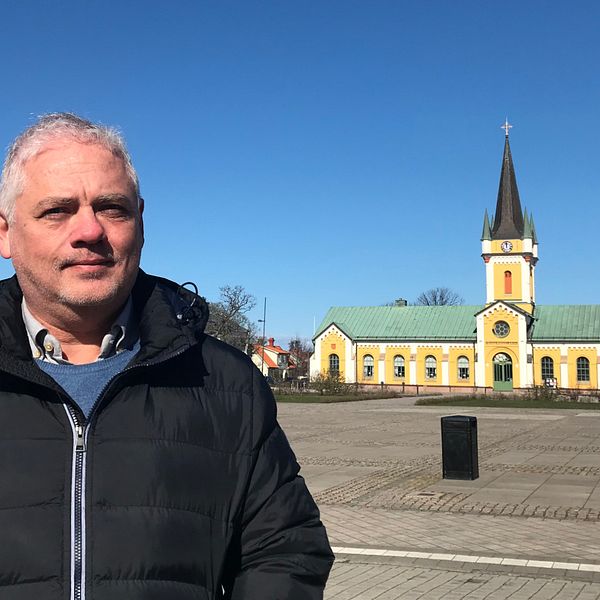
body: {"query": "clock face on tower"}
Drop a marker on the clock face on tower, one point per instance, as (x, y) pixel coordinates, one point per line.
(506, 246)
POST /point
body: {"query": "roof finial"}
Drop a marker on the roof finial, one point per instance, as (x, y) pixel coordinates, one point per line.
(506, 126)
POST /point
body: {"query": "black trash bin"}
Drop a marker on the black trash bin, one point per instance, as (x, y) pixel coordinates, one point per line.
(459, 447)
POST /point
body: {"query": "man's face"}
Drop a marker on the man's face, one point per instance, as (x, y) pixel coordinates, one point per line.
(76, 235)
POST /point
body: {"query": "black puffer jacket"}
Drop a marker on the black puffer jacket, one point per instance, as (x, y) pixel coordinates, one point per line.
(181, 486)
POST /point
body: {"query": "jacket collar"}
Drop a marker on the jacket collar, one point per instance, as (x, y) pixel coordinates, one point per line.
(171, 319)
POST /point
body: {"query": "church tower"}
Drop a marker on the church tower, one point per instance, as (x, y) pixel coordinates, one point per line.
(509, 244)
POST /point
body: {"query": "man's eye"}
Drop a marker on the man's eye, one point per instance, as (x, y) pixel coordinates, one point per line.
(54, 211)
(114, 210)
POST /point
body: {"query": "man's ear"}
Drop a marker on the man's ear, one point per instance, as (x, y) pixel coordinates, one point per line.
(4, 237)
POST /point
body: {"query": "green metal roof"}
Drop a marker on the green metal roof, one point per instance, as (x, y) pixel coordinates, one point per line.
(403, 322)
(569, 322)
(552, 323)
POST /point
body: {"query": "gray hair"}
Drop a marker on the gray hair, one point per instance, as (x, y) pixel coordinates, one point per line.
(47, 128)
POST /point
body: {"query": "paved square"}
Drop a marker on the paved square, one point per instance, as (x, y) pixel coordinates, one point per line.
(528, 527)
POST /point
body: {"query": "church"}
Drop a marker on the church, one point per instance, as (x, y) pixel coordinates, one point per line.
(511, 342)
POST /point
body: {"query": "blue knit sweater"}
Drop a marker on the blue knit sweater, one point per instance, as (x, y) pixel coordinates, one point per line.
(85, 383)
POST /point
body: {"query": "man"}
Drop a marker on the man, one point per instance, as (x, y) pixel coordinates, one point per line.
(140, 459)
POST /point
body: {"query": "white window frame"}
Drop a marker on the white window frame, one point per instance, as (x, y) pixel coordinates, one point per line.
(368, 366)
(463, 370)
(334, 358)
(583, 364)
(430, 367)
(545, 373)
(399, 367)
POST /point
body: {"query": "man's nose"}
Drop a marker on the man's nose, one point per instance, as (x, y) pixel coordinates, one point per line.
(86, 228)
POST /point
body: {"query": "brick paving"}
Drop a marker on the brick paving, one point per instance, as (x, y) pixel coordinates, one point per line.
(532, 518)
(367, 581)
(544, 539)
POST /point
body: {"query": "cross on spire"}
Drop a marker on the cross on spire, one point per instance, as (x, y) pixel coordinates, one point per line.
(508, 220)
(506, 126)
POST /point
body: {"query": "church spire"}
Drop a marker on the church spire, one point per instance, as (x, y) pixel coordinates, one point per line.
(486, 234)
(527, 225)
(508, 220)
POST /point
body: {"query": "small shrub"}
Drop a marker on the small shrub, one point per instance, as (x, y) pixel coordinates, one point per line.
(330, 383)
(541, 393)
(292, 386)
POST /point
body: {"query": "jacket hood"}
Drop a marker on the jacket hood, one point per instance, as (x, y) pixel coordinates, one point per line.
(171, 317)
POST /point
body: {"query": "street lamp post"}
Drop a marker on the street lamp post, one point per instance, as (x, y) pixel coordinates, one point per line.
(264, 323)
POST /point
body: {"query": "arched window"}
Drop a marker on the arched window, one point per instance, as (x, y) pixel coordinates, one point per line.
(507, 282)
(547, 367)
(368, 364)
(463, 367)
(583, 369)
(399, 367)
(334, 364)
(430, 367)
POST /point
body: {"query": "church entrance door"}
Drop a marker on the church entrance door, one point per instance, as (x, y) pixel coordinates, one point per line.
(503, 373)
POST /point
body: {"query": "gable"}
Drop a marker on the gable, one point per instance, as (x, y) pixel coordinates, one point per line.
(501, 305)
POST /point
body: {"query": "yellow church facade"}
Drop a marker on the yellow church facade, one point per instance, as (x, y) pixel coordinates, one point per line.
(508, 343)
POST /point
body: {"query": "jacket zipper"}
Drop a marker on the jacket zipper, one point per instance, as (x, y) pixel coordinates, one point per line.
(80, 431)
(77, 504)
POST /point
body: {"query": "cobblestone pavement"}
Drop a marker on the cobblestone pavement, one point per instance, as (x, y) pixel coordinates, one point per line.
(371, 581)
(528, 527)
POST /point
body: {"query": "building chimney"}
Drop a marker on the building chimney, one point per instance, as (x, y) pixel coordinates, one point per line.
(271, 341)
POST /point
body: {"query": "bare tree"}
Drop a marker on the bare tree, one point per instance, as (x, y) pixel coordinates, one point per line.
(439, 296)
(228, 321)
(300, 351)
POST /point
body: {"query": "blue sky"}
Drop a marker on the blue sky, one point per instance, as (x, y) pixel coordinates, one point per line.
(330, 153)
